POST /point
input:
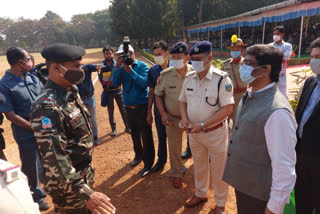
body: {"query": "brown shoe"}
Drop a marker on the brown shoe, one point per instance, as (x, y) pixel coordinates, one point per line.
(176, 182)
(195, 201)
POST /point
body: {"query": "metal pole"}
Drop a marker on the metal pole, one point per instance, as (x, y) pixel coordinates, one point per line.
(239, 32)
(221, 42)
(301, 31)
(208, 35)
(198, 34)
(264, 29)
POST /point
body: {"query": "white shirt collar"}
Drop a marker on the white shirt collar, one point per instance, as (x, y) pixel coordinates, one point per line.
(262, 89)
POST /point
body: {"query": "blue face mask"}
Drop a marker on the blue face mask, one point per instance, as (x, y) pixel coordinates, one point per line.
(235, 54)
(246, 73)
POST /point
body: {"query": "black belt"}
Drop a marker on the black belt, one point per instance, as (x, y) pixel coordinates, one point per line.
(83, 165)
(86, 97)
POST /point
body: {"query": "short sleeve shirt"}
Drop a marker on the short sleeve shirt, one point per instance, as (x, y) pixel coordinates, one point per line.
(169, 86)
(201, 96)
(19, 93)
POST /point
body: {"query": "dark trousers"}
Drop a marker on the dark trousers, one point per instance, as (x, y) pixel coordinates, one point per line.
(109, 101)
(29, 156)
(140, 129)
(307, 188)
(249, 205)
(162, 137)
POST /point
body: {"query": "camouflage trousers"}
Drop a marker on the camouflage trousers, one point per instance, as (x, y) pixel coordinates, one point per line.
(68, 202)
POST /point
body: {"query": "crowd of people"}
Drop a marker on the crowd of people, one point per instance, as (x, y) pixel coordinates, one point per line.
(241, 130)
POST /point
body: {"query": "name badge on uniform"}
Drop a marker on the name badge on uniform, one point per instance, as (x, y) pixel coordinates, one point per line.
(74, 113)
(189, 89)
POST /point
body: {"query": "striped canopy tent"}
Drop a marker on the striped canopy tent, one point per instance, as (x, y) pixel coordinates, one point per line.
(280, 12)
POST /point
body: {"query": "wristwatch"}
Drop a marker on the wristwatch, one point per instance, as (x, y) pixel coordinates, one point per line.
(203, 127)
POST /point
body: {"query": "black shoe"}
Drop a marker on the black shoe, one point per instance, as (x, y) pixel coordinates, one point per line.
(43, 205)
(113, 133)
(128, 131)
(135, 162)
(159, 166)
(145, 172)
(187, 154)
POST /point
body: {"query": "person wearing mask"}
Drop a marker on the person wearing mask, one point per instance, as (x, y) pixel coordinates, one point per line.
(279, 33)
(232, 67)
(167, 93)
(62, 127)
(160, 51)
(308, 118)
(20, 89)
(261, 157)
(206, 101)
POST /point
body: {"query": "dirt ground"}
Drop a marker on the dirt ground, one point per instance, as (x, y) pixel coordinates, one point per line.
(115, 177)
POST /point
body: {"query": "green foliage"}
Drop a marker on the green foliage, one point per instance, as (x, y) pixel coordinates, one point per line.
(218, 63)
(147, 55)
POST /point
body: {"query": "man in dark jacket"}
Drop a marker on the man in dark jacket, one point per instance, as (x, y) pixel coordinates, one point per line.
(308, 118)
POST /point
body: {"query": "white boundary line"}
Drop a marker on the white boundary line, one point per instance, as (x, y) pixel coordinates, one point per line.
(94, 82)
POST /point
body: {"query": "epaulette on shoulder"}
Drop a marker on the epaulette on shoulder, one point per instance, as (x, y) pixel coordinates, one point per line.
(191, 73)
(166, 71)
(219, 72)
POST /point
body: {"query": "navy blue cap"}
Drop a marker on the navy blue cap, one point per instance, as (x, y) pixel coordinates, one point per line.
(201, 47)
(179, 47)
(60, 52)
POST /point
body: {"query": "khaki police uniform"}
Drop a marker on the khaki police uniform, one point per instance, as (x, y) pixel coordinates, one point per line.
(239, 87)
(169, 87)
(15, 195)
(203, 101)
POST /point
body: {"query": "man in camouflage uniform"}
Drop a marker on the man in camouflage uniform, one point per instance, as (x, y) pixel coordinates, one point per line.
(61, 125)
(232, 67)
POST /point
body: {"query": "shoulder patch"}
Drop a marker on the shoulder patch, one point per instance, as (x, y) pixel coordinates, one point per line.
(46, 123)
(228, 87)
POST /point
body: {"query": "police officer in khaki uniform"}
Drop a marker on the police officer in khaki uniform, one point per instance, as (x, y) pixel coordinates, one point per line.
(206, 101)
(15, 195)
(167, 94)
(232, 66)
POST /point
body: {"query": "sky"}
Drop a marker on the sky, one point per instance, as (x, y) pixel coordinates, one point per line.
(36, 9)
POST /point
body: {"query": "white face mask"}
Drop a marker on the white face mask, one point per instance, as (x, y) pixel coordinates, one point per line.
(198, 66)
(276, 38)
(315, 66)
(159, 60)
(178, 64)
(246, 73)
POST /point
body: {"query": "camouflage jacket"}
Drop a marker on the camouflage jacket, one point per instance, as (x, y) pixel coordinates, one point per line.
(62, 128)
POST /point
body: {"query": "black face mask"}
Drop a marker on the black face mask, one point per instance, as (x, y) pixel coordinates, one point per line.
(73, 76)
